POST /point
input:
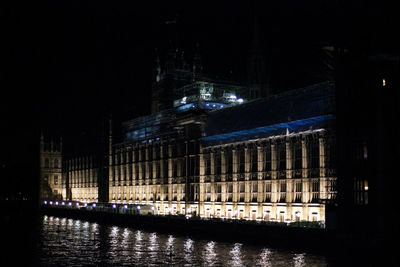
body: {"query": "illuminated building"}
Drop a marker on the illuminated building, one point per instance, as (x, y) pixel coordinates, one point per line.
(210, 149)
(269, 159)
(52, 184)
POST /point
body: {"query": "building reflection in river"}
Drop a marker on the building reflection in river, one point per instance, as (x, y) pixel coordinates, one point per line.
(74, 242)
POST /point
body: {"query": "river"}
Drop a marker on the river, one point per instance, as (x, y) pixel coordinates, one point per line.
(63, 241)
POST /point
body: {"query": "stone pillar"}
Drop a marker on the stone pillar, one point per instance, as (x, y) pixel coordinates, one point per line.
(121, 169)
(162, 164)
(247, 183)
(289, 172)
(274, 184)
(235, 169)
(161, 179)
(305, 180)
(260, 189)
(260, 162)
(147, 169)
(322, 170)
(202, 172)
(213, 189)
(223, 179)
(128, 177)
(274, 161)
(140, 178)
(134, 178)
(247, 166)
(170, 172)
(154, 168)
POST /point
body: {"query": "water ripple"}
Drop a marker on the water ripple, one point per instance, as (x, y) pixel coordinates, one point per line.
(79, 243)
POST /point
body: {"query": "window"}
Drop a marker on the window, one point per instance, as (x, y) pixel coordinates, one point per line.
(217, 162)
(55, 179)
(241, 160)
(254, 159)
(228, 155)
(56, 163)
(282, 156)
(46, 163)
(267, 158)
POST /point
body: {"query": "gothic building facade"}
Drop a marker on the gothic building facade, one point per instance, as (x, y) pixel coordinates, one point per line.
(210, 148)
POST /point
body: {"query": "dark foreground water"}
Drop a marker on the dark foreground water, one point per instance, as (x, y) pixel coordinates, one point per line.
(63, 241)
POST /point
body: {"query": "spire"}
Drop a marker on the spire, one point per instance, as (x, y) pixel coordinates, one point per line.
(171, 54)
(258, 79)
(256, 39)
(157, 67)
(41, 140)
(197, 67)
(183, 61)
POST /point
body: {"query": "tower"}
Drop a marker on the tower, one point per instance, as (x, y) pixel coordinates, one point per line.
(197, 66)
(257, 76)
(52, 184)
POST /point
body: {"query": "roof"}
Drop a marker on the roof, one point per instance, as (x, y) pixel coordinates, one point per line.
(297, 110)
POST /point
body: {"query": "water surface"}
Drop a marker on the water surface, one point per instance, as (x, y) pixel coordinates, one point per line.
(64, 241)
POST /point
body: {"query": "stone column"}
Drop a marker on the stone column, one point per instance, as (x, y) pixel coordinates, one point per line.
(260, 189)
(223, 179)
(121, 169)
(162, 164)
(170, 172)
(247, 183)
(289, 172)
(140, 178)
(305, 180)
(212, 182)
(134, 178)
(128, 177)
(201, 182)
(155, 178)
(161, 178)
(274, 184)
(322, 170)
(235, 169)
(154, 168)
(147, 169)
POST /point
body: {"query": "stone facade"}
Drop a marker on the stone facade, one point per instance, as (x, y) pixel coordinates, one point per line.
(282, 178)
(52, 182)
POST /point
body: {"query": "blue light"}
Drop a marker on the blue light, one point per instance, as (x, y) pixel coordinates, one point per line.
(45, 202)
(126, 207)
(270, 130)
(114, 206)
(138, 207)
(94, 205)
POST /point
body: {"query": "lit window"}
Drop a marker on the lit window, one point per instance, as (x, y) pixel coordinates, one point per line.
(383, 82)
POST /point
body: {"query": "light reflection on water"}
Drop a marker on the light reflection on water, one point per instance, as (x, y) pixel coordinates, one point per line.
(80, 243)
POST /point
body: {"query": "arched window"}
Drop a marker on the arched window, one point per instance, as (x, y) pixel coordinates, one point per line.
(56, 163)
(46, 163)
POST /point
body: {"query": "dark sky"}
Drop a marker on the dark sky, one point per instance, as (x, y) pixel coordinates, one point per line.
(64, 63)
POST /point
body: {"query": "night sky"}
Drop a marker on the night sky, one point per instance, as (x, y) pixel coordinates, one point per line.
(67, 63)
